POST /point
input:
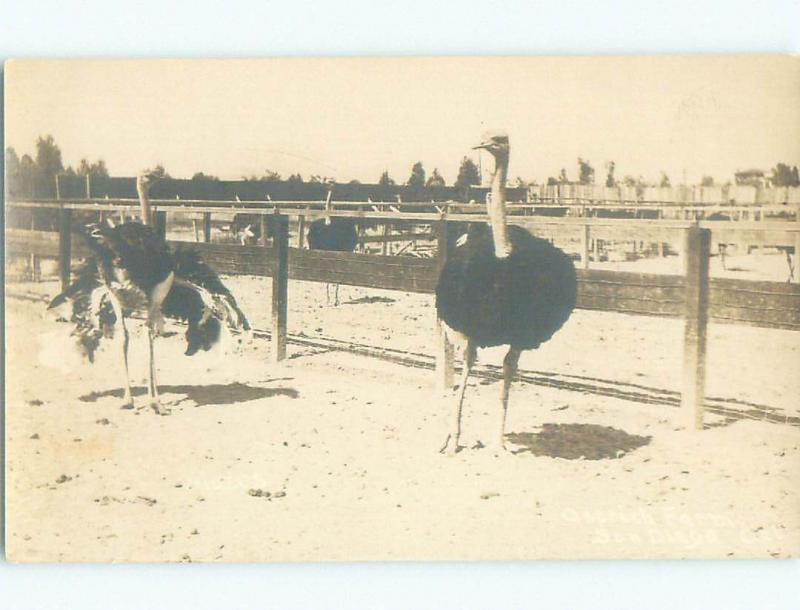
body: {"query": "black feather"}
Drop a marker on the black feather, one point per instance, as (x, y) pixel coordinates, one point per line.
(134, 259)
(521, 300)
(338, 236)
(185, 302)
(130, 252)
(90, 326)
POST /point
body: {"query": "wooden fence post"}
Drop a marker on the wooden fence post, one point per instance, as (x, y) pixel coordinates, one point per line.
(696, 251)
(35, 262)
(207, 227)
(264, 226)
(88, 186)
(280, 286)
(444, 349)
(385, 244)
(301, 231)
(795, 267)
(161, 224)
(64, 247)
(585, 243)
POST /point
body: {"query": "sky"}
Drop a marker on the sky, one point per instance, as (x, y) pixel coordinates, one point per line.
(353, 118)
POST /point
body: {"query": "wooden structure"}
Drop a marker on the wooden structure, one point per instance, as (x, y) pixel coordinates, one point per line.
(693, 296)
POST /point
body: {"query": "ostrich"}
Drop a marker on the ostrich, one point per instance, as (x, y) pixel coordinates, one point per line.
(333, 235)
(501, 286)
(247, 228)
(132, 269)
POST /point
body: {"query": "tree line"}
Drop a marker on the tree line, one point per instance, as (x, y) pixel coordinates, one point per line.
(31, 175)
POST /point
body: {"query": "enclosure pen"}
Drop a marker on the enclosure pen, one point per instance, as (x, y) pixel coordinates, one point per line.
(693, 296)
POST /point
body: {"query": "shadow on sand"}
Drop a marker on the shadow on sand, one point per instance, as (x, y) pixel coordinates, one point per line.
(202, 395)
(576, 441)
(368, 300)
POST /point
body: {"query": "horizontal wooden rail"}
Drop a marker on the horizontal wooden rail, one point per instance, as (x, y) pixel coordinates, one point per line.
(380, 239)
(763, 304)
(787, 229)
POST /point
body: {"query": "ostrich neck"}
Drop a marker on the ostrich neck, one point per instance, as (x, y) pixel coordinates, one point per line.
(144, 202)
(497, 208)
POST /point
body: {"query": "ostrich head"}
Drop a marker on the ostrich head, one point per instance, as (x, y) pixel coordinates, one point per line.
(496, 142)
(146, 179)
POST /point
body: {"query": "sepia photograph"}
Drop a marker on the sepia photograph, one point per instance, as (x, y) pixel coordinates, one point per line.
(420, 308)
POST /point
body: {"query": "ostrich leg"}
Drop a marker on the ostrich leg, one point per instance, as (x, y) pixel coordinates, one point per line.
(155, 323)
(451, 443)
(152, 388)
(116, 305)
(126, 337)
(510, 364)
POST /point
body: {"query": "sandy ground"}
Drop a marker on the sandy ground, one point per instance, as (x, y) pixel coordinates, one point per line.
(334, 456)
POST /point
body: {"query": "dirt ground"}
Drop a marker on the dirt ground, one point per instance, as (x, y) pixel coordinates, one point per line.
(334, 456)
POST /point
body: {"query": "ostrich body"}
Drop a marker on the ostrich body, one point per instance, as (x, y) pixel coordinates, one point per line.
(501, 286)
(133, 269)
(333, 235)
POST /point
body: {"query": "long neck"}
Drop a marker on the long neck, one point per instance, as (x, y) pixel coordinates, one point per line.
(497, 207)
(144, 201)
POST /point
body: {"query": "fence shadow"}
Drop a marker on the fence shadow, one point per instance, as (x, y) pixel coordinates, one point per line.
(578, 441)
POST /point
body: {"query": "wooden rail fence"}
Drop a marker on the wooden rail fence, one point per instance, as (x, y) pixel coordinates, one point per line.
(693, 296)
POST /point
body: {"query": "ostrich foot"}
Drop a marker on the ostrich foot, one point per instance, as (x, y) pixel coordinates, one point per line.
(498, 447)
(155, 323)
(451, 446)
(159, 408)
(127, 405)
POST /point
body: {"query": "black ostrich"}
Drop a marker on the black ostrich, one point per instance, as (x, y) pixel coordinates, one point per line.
(133, 269)
(501, 286)
(333, 235)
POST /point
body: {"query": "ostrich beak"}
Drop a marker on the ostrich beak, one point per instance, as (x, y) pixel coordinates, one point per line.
(481, 145)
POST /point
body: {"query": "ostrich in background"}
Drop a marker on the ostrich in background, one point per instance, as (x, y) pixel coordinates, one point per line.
(133, 269)
(333, 235)
(501, 286)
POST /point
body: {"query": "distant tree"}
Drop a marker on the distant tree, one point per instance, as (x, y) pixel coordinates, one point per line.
(783, 175)
(295, 179)
(317, 179)
(520, 183)
(417, 178)
(385, 180)
(12, 162)
(159, 172)
(270, 176)
(200, 176)
(665, 183)
(354, 181)
(468, 174)
(562, 176)
(610, 167)
(48, 158)
(707, 181)
(585, 172)
(749, 177)
(97, 169)
(552, 181)
(27, 177)
(435, 179)
(13, 177)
